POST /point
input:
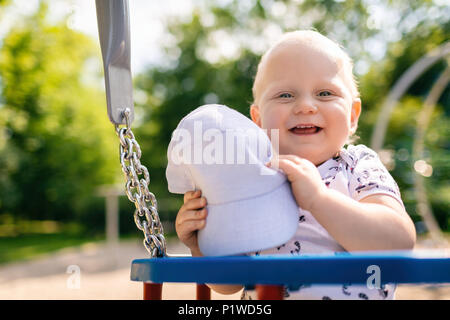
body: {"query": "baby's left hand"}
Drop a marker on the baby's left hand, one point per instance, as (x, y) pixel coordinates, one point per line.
(306, 182)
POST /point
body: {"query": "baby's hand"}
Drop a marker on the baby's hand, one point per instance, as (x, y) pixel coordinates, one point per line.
(306, 182)
(190, 218)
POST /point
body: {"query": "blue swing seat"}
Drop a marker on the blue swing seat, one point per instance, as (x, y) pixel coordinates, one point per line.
(430, 266)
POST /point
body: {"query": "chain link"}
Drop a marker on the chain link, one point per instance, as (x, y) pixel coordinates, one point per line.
(146, 214)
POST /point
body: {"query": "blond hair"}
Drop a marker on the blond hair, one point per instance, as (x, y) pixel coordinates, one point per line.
(312, 38)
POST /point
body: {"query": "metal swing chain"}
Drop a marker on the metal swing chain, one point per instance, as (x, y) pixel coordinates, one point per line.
(146, 214)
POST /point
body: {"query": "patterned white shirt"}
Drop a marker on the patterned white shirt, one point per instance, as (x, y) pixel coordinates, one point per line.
(356, 172)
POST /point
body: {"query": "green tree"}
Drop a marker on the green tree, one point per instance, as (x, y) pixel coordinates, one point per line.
(56, 144)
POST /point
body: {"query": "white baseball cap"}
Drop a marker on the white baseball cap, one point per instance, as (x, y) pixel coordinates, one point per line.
(223, 153)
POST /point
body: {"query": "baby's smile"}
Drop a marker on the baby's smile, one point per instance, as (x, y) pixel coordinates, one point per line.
(305, 129)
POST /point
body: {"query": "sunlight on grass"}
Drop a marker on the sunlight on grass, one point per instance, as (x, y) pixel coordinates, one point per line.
(26, 239)
(29, 246)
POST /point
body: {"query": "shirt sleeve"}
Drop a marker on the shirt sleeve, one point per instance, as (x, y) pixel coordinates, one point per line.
(368, 175)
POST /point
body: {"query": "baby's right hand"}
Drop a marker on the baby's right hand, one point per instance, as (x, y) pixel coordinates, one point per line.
(190, 218)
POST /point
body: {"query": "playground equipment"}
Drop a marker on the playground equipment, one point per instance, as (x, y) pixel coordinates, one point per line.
(398, 90)
(268, 274)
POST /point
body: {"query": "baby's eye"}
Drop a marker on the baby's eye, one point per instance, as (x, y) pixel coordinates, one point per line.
(324, 93)
(285, 95)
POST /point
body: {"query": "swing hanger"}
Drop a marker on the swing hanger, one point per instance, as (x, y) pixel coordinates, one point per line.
(114, 33)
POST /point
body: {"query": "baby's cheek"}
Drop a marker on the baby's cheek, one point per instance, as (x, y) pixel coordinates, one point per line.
(338, 137)
(269, 122)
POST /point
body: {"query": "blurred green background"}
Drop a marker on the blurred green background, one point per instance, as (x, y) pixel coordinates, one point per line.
(57, 145)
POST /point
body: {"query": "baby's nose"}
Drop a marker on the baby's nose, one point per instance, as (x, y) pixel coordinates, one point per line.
(305, 105)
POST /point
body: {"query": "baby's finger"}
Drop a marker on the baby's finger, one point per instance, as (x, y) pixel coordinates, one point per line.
(289, 167)
(193, 225)
(276, 158)
(194, 204)
(191, 195)
(192, 215)
(273, 163)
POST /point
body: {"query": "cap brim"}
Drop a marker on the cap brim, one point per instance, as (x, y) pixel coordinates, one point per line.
(255, 224)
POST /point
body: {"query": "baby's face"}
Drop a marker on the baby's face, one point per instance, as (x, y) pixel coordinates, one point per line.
(306, 94)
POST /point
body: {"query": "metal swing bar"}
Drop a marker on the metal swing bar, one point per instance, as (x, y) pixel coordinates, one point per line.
(268, 274)
(114, 32)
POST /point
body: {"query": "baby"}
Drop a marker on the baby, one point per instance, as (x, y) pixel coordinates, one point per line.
(305, 88)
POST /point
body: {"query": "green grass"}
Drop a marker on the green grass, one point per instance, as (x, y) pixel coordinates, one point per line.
(22, 240)
(28, 246)
(31, 246)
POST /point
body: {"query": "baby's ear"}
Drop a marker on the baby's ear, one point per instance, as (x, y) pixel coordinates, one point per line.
(255, 115)
(355, 113)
